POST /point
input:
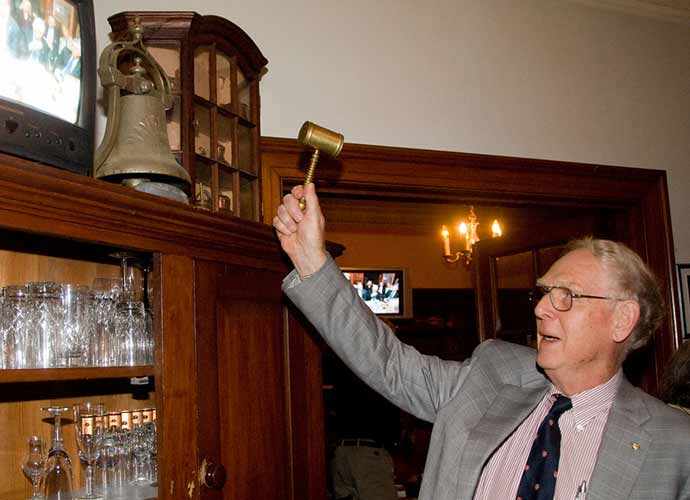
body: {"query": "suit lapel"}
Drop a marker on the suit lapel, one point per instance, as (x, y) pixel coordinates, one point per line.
(509, 408)
(624, 446)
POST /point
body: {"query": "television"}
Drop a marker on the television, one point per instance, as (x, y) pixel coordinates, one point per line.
(48, 81)
(383, 290)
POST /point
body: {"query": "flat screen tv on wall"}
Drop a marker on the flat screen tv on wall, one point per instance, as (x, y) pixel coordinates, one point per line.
(48, 81)
(382, 289)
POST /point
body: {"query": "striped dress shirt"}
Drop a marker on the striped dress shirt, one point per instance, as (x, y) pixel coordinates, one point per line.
(581, 430)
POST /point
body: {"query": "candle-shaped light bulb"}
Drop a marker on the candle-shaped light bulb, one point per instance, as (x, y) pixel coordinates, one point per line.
(462, 228)
(446, 240)
(496, 230)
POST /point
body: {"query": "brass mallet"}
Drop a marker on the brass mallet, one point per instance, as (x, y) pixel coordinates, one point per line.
(321, 139)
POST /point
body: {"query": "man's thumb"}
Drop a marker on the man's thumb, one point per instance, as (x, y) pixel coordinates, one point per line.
(312, 200)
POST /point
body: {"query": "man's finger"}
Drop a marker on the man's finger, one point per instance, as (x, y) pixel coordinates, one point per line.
(284, 214)
(298, 191)
(281, 228)
(313, 206)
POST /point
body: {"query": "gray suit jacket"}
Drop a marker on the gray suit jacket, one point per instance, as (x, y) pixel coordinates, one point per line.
(475, 405)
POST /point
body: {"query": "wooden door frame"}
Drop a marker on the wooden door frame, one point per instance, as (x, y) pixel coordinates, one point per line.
(379, 172)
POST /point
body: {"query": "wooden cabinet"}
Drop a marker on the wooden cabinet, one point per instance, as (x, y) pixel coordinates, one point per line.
(213, 127)
(229, 381)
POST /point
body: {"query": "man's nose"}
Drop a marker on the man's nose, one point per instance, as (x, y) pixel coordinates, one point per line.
(544, 308)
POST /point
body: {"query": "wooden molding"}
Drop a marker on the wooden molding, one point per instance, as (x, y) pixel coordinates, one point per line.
(47, 201)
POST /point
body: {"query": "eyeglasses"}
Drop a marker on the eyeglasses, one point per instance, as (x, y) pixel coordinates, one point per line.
(561, 297)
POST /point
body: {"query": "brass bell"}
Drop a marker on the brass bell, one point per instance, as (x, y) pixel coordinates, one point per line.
(135, 146)
(140, 144)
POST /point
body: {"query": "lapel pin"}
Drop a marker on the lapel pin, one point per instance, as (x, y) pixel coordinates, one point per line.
(636, 446)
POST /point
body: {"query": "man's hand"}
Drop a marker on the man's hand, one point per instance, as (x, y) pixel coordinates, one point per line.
(301, 234)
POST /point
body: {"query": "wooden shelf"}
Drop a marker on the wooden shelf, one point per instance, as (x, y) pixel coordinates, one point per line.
(52, 374)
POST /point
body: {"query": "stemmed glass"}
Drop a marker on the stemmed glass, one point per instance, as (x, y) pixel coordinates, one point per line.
(58, 480)
(89, 426)
(33, 466)
(130, 285)
(133, 339)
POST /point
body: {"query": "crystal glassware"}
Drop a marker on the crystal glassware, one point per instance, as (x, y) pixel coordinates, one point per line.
(46, 321)
(20, 350)
(33, 466)
(141, 451)
(130, 330)
(58, 479)
(89, 430)
(132, 286)
(106, 294)
(78, 326)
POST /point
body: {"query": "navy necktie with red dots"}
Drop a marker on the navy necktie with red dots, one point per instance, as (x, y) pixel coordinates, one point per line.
(539, 478)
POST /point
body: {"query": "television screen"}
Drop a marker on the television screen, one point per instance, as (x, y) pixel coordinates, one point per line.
(383, 290)
(40, 54)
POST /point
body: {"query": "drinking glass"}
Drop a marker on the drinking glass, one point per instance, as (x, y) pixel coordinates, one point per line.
(111, 461)
(78, 325)
(141, 451)
(46, 321)
(19, 345)
(58, 480)
(130, 329)
(33, 466)
(106, 294)
(132, 286)
(89, 427)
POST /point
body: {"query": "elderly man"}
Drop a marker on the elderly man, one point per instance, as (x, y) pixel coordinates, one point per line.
(510, 422)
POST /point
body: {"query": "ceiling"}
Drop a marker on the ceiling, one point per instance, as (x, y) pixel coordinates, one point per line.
(424, 218)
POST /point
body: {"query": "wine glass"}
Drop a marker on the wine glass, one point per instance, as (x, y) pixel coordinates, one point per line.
(58, 478)
(33, 466)
(89, 427)
(131, 284)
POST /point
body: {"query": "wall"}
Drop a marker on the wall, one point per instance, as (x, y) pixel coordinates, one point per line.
(419, 254)
(553, 79)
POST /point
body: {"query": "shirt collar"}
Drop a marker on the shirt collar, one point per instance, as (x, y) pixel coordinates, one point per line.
(592, 402)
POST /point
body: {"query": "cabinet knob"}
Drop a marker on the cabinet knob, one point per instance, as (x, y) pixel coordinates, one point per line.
(212, 475)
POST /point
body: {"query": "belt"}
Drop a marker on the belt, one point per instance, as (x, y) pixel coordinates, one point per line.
(359, 442)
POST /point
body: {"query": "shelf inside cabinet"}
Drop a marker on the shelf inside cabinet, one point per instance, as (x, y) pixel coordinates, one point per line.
(51, 374)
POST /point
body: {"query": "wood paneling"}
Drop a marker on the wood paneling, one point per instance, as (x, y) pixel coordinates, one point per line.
(50, 202)
(176, 372)
(252, 395)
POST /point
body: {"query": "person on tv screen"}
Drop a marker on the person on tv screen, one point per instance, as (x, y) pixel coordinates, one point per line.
(25, 21)
(12, 42)
(561, 421)
(52, 39)
(72, 58)
(38, 47)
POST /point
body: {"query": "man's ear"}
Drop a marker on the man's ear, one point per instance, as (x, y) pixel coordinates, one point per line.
(625, 318)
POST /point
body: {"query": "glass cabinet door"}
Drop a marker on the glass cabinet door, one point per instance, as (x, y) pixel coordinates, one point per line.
(169, 59)
(224, 133)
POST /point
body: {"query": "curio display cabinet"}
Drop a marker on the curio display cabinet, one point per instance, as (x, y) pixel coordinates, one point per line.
(213, 127)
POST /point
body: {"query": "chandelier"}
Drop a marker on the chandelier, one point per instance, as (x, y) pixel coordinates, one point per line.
(467, 231)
